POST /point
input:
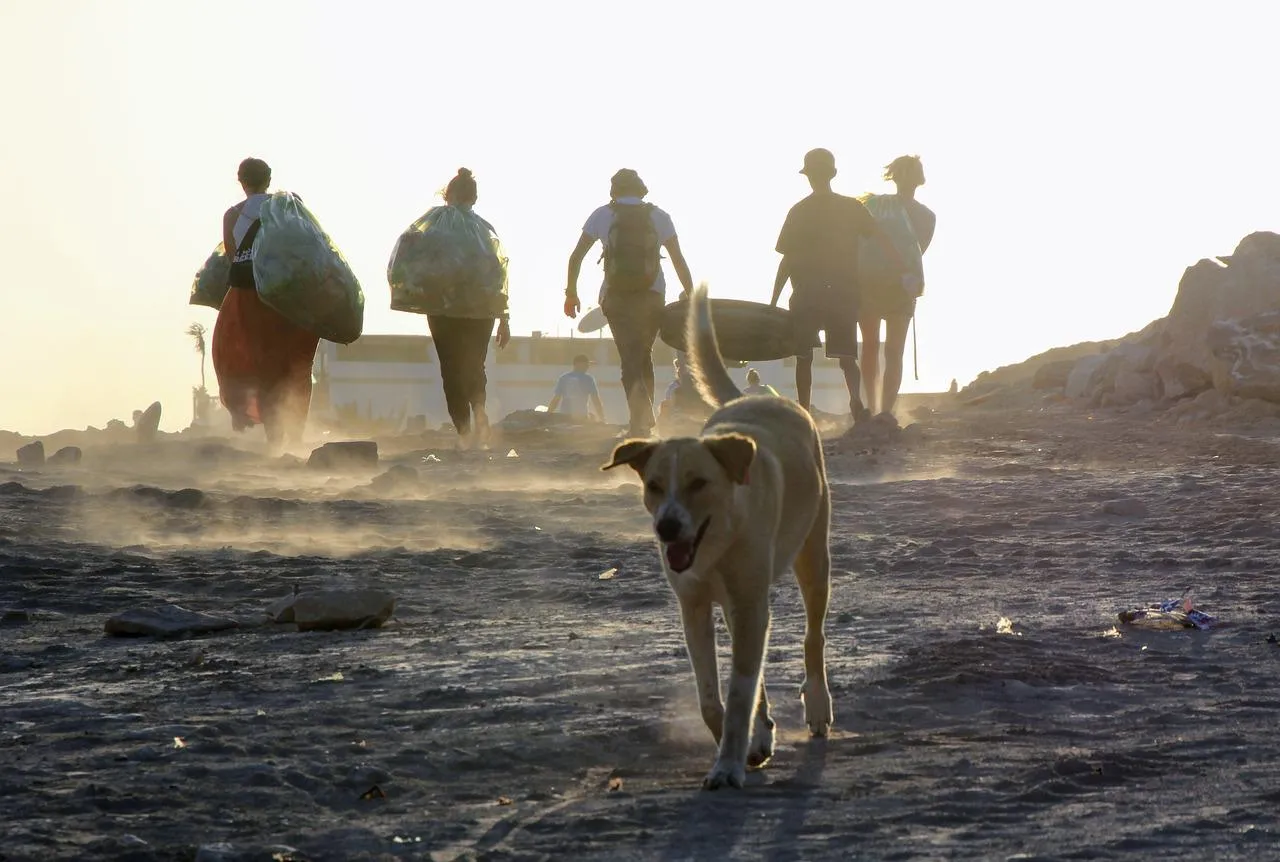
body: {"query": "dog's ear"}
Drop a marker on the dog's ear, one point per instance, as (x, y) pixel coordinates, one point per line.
(634, 453)
(735, 454)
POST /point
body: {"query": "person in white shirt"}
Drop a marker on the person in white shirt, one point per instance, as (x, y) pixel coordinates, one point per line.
(634, 290)
(755, 387)
(576, 392)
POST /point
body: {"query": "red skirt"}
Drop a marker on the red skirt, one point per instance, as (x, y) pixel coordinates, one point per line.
(262, 361)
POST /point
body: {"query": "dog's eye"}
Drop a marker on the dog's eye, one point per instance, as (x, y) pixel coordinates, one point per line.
(653, 488)
(697, 484)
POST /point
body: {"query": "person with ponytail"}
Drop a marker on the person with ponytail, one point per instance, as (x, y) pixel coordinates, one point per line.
(462, 343)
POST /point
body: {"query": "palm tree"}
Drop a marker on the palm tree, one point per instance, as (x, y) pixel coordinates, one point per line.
(197, 332)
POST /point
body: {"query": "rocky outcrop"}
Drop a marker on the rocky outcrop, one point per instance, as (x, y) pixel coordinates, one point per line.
(1222, 333)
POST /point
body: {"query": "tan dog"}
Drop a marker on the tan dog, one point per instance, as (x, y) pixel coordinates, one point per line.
(733, 509)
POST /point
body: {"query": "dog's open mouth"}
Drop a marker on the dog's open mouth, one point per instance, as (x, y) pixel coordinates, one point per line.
(680, 554)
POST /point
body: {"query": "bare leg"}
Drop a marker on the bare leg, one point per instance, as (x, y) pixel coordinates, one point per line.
(895, 343)
(870, 359)
(804, 379)
(853, 382)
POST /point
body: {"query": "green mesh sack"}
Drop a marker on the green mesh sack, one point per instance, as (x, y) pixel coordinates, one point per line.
(449, 262)
(209, 287)
(301, 274)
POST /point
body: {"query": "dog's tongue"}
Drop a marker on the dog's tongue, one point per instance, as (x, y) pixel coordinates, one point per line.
(679, 555)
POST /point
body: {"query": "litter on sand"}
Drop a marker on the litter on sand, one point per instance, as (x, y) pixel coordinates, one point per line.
(1171, 614)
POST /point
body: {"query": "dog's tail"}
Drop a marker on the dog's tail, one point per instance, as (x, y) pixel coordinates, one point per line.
(709, 374)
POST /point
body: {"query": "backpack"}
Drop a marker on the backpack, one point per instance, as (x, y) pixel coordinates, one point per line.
(631, 250)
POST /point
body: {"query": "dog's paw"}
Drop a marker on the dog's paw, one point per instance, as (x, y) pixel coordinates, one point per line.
(725, 774)
(761, 743)
(818, 714)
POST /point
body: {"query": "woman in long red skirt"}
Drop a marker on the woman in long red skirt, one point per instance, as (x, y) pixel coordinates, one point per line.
(263, 362)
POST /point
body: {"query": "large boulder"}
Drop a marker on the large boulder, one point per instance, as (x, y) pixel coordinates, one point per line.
(1246, 356)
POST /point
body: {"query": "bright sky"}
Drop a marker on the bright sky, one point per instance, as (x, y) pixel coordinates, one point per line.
(1079, 156)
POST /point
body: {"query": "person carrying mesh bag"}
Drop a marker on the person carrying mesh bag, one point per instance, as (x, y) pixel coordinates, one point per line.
(450, 266)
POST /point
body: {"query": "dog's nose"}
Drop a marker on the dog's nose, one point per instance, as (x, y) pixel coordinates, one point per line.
(668, 529)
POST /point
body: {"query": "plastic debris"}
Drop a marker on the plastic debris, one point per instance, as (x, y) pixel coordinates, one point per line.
(1169, 615)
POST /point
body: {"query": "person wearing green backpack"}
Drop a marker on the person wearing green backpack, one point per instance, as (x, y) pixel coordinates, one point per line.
(890, 288)
(633, 234)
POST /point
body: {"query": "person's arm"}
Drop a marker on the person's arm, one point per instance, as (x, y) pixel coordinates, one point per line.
(572, 305)
(555, 402)
(780, 280)
(593, 400)
(229, 219)
(503, 338)
(680, 264)
(558, 395)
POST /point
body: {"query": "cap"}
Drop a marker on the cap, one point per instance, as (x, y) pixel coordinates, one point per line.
(820, 162)
(582, 359)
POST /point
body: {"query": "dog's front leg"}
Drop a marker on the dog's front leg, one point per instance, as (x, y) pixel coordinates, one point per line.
(749, 627)
(700, 639)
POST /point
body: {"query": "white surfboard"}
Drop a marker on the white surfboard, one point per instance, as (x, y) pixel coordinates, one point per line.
(593, 321)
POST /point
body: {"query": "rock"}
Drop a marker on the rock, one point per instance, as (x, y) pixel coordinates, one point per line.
(1130, 386)
(1127, 507)
(398, 477)
(1083, 379)
(1181, 379)
(1053, 375)
(66, 455)
(165, 621)
(345, 455)
(146, 424)
(329, 610)
(31, 455)
(1246, 356)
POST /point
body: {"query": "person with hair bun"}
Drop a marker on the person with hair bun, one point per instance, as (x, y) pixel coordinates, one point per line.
(262, 361)
(462, 343)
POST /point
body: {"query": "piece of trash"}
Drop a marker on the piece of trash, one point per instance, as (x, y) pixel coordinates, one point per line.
(537, 529)
(260, 713)
(1169, 615)
(504, 800)
(1112, 632)
(374, 792)
(396, 839)
(615, 784)
(431, 459)
(1004, 626)
(333, 677)
(178, 743)
(513, 454)
(608, 575)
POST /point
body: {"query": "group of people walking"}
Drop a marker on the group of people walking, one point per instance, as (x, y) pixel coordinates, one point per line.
(852, 263)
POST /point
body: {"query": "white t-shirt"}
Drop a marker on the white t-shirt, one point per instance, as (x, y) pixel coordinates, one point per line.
(248, 215)
(599, 222)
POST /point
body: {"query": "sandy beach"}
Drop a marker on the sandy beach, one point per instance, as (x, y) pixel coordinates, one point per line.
(530, 699)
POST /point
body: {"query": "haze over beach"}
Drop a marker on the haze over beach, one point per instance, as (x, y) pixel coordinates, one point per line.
(1078, 156)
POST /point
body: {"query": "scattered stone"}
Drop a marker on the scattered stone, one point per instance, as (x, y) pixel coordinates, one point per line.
(224, 852)
(66, 455)
(165, 621)
(20, 616)
(398, 477)
(345, 455)
(1127, 507)
(31, 455)
(1053, 375)
(332, 610)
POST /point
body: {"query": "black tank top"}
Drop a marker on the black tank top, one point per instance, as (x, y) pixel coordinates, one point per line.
(241, 274)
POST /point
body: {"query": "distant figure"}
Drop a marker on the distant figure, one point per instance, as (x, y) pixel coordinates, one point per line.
(819, 248)
(263, 361)
(955, 387)
(576, 392)
(755, 387)
(462, 344)
(893, 300)
(634, 290)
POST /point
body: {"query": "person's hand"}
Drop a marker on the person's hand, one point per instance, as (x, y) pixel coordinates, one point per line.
(503, 338)
(572, 305)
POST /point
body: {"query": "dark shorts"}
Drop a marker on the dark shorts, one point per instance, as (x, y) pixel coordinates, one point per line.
(829, 309)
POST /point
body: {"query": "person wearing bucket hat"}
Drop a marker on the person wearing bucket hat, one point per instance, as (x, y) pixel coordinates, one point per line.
(819, 244)
(576, 392)
(633, 294)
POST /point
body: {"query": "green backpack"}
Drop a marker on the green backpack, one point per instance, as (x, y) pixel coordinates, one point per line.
(632, 252)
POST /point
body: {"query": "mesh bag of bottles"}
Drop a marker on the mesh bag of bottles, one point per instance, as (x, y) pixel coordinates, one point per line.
(449, 262)
(210, 285)
(301, 274)
(876, 270)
